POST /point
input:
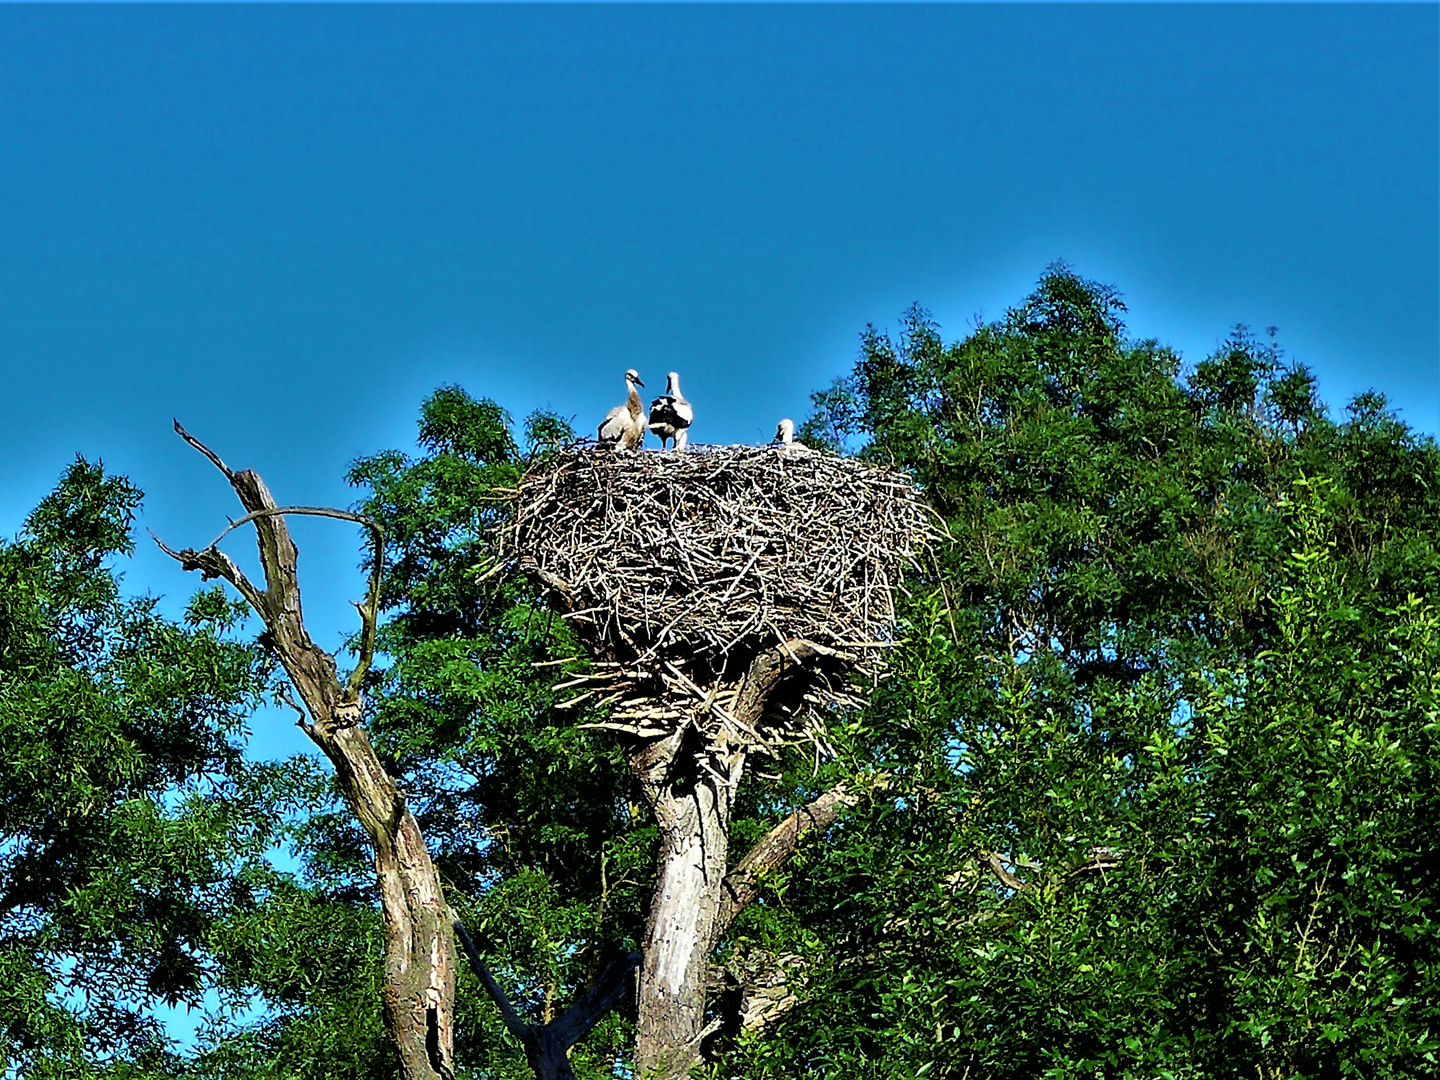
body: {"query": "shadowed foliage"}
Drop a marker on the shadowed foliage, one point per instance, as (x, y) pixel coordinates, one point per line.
(1167, 712)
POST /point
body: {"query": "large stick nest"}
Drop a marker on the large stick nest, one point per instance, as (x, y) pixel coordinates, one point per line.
(718, 552)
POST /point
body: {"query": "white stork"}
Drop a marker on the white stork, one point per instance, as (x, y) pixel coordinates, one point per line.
(670, 414)
(624, 426)
(785, 436)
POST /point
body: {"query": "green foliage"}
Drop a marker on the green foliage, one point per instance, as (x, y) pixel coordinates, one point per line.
(314, 958)
(525, 813)
(530, 817)
(1177, 669)
(124, 812)
(1162, 734)
(1174, 676)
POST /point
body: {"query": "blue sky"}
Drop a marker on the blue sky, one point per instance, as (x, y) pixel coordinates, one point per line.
(285, 225)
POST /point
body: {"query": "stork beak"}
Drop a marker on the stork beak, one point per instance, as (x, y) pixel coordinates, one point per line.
(638, 382)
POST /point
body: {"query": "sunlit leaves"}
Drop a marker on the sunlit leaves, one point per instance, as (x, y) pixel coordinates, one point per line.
(1177, 672)
(123, 805)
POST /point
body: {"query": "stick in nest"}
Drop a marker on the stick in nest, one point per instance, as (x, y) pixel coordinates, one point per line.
(720, 550)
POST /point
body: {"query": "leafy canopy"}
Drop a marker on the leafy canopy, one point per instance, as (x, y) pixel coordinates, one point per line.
(124, 809)
(1175, 677)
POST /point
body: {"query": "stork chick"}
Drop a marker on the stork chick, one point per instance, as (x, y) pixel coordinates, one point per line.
(785, 436)
(624, 426)
(671, 414)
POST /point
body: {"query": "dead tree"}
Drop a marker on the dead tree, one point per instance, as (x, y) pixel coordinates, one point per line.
(419, 969)
(730, 598)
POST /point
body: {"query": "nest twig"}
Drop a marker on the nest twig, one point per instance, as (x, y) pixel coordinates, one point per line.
(682, 567)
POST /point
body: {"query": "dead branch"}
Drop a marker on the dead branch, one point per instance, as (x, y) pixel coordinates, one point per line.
(756, 990)
(742, 884)
(419, 978)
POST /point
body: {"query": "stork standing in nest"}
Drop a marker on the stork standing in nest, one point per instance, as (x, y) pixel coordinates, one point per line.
(670, 414)
(624, 426)
(785, 436)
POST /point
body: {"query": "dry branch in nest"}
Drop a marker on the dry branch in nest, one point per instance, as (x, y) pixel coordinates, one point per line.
(679, 569)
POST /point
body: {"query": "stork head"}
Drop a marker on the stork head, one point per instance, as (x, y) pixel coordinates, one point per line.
(632, 379)
(785, 432)
(672, 384)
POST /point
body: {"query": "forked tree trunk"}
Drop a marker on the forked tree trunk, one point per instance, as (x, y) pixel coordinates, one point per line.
(689, 781)
(418, 985)
(694, 820)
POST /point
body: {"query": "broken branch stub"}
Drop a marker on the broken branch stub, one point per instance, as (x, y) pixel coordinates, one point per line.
(418, 987)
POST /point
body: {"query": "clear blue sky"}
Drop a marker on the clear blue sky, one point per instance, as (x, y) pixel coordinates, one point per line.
(285, 225)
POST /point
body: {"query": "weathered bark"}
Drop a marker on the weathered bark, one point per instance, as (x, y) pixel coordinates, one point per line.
(693, 816)
(775, 848)
(689, 780)
(756, 990)
(419, 972)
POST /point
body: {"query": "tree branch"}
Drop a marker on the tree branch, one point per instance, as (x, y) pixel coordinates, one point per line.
(546, 1044)
(1096, 860)
(370, 610)
(419, 973)
(312, 511)
(1004, 876)
(198, 445)
(275, 543)
(513, 1023)
(592, 1006)
(766, 673)
(758, 988)
(215, 564)
(742, 884)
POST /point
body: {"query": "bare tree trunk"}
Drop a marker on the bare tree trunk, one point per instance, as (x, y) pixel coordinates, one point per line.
(418, 987)
(694, 821)
(689, 779)
(419, 973)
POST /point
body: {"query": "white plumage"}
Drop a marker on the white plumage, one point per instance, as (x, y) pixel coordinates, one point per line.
(671, 414)
(785, 436)
(624, 425)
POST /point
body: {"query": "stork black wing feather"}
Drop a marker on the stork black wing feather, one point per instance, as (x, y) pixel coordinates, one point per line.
(662, 411)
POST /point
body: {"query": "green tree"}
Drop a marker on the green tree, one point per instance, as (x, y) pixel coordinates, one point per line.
(546, 849)
(125, 809)
(1161, 741)
(1167, 714)
(525, 812)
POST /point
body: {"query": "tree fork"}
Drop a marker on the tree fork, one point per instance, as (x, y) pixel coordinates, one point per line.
(689, 782)
(419, 964)
(546, 1045)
